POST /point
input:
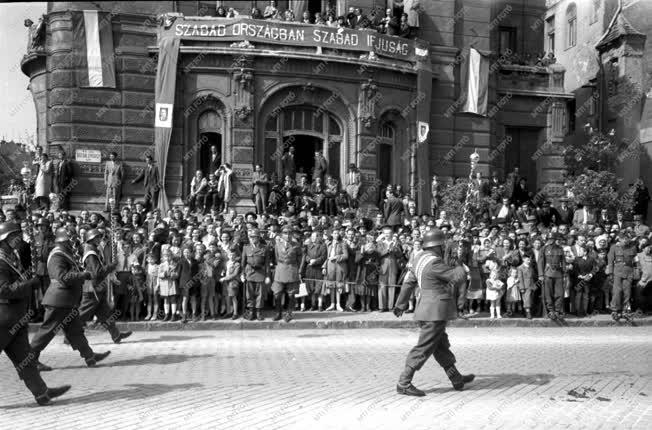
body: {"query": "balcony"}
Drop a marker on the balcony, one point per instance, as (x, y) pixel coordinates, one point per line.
(529, 74)
(293, 40)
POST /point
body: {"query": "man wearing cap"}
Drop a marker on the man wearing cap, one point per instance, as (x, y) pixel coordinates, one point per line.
(435, 306)
(61, 301)
(255, 264)
(15, 293)
(551, 271)
(640, 229)
(94, 293)
(287, 253)
(620, 265)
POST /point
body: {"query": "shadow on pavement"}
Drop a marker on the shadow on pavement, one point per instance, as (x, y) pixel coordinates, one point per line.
(170, 338)
(137, 391)
(147, 360)
(505, 380)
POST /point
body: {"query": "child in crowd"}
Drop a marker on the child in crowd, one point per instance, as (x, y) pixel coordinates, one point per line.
(527, 284)
(136, 289)
(168, 275)
(151, 284)
(513, 296)
(494, 293)
(231, 280)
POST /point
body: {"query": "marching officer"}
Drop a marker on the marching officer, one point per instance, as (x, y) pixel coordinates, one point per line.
(255, 264)
(15, 293)
(551, 272)
(435, 306)
(61, 302)
(287, 253)
(620, 266)
(94, 293)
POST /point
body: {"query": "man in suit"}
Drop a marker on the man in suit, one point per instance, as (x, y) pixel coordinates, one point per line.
(393, 210)
(640, 229)
(215, 161)
(288, 255)
(94, 296)
(15, 293)
(564, 213)
(61, 302)
(288, 164)
(620, 221)
(259, 181)
(151, 182)
(63, 180)
(321, 166)
(503, 213)
(604, 219)
(353, 182)
(436, 306)
(482, 186)
(584, 216)
(354, 18)
(112, 180)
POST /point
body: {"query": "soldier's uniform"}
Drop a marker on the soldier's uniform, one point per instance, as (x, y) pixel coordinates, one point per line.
(286, 275)
(61, 302)
(551, 267)
(435, 306)
(620, 264)
(255, 264)
(15, 294)
(94, 300)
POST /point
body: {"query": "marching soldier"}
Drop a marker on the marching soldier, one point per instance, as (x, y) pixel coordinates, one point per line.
(435, 306)
(620, 267)
(287, 253)
(61, 302)
(255, 264)
(551, 272)
(94, 294)
(15, 293)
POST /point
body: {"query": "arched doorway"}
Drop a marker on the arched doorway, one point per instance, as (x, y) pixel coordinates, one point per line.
(308, 129)
(392, 153)
(209, 131)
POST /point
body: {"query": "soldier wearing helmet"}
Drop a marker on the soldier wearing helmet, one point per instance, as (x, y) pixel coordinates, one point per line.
(94, 294)
(15, 293)
(61, 303)
(435, 306)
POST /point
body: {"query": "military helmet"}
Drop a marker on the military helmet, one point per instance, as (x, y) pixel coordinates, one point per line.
(434, 237)
(61, 235)
(92, 234)
(7, 228)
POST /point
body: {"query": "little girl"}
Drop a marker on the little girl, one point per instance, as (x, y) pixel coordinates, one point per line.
(168, 275)
(230, 279)
(151, 283)
(513, 296)
(494, 293)
(135, 288)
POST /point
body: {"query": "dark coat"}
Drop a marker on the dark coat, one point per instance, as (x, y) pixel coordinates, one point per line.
(66, 280)
(393, 210)
(64, 174)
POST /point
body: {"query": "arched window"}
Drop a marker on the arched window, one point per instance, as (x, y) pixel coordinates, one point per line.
(209, 122)
(571, 25)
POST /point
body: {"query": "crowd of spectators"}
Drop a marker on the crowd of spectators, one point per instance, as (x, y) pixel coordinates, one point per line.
(401, 20)
(350, 259)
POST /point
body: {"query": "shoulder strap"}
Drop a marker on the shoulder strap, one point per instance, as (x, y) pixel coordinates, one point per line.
(69, 257)
(420, 266)
(6, 259)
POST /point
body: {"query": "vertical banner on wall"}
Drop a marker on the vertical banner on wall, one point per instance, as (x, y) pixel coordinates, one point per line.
(476, 83)
(166, 80)
(424, 91)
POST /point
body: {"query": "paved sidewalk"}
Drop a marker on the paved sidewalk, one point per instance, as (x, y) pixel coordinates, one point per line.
(539, 378)
(348, 320)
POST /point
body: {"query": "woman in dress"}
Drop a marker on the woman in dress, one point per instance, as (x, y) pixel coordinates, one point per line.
(43, 184)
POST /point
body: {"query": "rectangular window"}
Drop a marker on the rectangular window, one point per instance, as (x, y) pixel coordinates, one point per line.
(507, 39)
(572, 112)
(572, 32)
(550, 31)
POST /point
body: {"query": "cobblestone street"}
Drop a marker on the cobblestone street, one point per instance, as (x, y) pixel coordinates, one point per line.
(333, 379)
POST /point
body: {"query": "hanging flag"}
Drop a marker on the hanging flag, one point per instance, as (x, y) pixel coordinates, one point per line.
(476, 84)
(93, 36)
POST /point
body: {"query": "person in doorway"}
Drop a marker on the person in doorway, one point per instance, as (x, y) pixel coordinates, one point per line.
(321, 166)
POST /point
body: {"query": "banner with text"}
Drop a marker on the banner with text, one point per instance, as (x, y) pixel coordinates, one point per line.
(288, 33)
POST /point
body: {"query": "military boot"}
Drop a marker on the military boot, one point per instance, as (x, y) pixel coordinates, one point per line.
(457, 379)
(405, 386)
(96, 358)
(51, 393)
(279, 310)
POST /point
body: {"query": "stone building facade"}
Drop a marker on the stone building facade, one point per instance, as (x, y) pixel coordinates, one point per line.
(253, 100)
